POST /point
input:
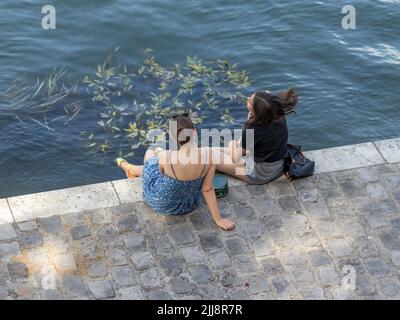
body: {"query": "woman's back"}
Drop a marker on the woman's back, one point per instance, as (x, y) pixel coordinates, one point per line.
(172, 182)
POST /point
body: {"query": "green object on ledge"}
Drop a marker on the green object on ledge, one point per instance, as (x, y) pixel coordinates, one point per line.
(220, 185)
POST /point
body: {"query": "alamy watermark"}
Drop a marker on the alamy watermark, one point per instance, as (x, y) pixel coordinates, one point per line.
(349, 20)
(49, 20)
(230, 150)
(349, 279)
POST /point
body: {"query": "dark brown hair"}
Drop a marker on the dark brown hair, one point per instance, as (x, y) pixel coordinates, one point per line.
(183, 122)
(269, 107)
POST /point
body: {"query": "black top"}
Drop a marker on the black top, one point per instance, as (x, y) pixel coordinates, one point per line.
(270, 141)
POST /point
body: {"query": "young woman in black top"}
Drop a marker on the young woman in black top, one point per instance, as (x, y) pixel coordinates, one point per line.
(260, 160)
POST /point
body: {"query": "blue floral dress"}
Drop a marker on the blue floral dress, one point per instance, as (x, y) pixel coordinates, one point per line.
(167, 195)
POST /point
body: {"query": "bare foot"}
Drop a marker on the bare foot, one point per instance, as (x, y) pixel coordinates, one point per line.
(126, 167)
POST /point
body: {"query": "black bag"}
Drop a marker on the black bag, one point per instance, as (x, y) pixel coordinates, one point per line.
(296, 164)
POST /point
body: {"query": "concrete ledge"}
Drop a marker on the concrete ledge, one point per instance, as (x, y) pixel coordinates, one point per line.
(5, 213)
(128, 190)
(63, 201)
(390, 149)
(113, 193)
(346, 157)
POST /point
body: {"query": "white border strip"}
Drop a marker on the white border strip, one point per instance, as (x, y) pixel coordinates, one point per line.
(112, 193)
(346, 157)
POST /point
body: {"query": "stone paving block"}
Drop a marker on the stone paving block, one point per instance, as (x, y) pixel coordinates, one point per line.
(171, 265)
(116, 257)
(389, 287)
(328, 276)
(181, 235)
(52, 225)
(74, 284)
(303, 276)
(387, 208)
(162, 246)
(366, 247)
(7, 232)
(101, 216)
(80, 232)
(201, 220)
(272, 266)
(151, 278)
(128, 223)
(395, 258)
(97, 269)
(354, 230)
(9, 250)
(17, 271)
(210, 241)
(123, 276)
(236, 245)
(245, 212)
(159, 295)
(108, 235)
(74, 219)
(142, 260)
(339, 247)
(132, 293)
(238, 294)
(180, 285)
(219, 259)
(200, 273)
(289, 204)
(365, 286)
(314, 294)
(52, 294)
(27, 225)
(367, 174)
(258, 284)
(282, 285)
(102, 289)
(273, 222)
(251, 230)
(341, 293)
(378, 268)
(352, 188)
(319, 257)
(192, 254)
(4, 292)
(229, 278)
(317, 210)
(64, 262)
(31, 239)
(135, 241)
(263, 247)
(390, 239)
(209, 291)
(293, 258)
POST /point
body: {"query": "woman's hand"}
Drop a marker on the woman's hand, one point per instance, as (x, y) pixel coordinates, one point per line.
(225, 224)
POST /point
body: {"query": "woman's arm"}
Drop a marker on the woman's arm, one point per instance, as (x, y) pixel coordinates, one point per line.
(211, 200)
(235, 150)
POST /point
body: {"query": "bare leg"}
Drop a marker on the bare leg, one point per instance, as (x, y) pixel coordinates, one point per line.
(230, 169)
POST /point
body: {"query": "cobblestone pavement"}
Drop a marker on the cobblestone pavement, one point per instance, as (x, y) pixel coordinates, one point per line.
(292, 241)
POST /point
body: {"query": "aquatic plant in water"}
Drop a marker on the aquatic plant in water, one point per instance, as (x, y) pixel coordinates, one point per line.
(128, 101)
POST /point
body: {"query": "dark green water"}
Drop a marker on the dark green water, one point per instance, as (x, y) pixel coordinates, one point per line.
(348, 80)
